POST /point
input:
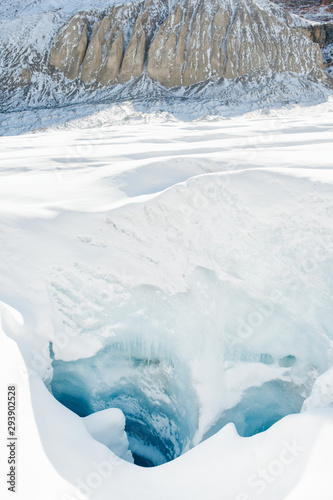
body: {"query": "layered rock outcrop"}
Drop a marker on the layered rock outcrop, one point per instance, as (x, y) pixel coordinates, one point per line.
(319, 33)
(180, 44)
(70, 46)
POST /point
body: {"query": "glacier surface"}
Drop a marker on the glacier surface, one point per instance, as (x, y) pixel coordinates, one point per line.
(184, 282)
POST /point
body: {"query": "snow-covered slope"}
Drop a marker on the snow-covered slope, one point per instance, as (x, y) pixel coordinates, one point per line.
(10, 9)
(264, 97)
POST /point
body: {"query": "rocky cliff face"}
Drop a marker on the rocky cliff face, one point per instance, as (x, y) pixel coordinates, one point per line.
(184, 44)
(319, 33)
(51, 58)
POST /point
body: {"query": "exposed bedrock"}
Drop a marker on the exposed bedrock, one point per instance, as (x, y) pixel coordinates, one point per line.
(180, 44)
(319, 33)
(70, 46)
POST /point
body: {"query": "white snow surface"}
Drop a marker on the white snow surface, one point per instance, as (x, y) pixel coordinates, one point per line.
(207, 242)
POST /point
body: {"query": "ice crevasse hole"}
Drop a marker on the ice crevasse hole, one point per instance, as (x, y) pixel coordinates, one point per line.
(145, 369)
(159, 401)
(154, 394)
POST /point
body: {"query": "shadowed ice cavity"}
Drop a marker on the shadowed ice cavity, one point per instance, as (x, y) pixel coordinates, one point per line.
(159, 402)
(260, 408)
(155, 395)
